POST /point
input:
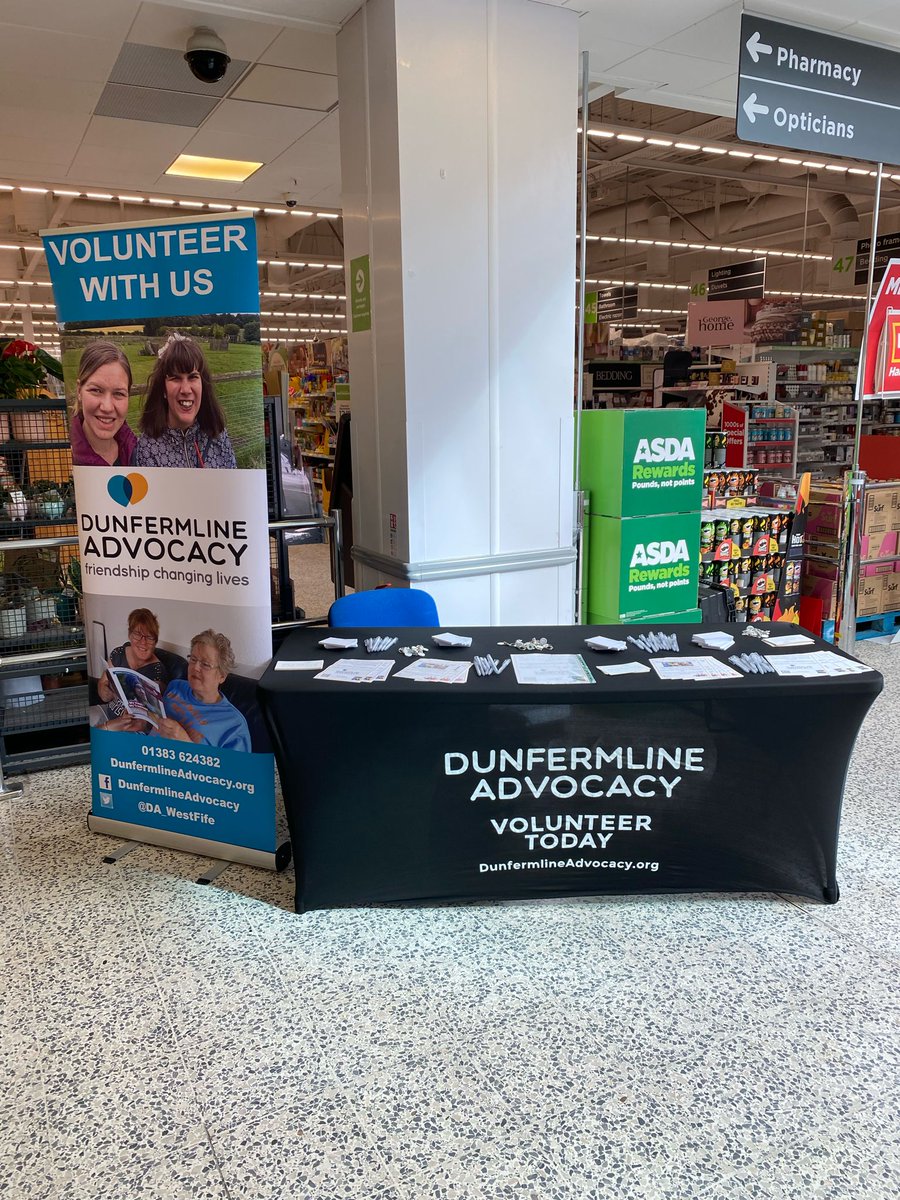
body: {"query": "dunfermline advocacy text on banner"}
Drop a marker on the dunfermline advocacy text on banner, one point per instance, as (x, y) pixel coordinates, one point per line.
(161, 354)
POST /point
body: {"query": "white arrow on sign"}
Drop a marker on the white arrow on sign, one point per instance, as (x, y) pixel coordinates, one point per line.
(753, 110)
(756, 47)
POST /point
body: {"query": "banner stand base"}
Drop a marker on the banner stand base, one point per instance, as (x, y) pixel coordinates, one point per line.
(119, 853)
(268, 860)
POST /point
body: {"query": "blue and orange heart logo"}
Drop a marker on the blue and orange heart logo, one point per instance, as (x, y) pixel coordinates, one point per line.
(127, 489)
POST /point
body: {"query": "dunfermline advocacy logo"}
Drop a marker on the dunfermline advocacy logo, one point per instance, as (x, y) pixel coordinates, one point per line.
(127, 489)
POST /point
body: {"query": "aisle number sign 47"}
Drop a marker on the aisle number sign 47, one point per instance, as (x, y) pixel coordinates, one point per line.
(844, 264)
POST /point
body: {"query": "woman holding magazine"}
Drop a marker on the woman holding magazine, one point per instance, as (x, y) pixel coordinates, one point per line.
(138, 654)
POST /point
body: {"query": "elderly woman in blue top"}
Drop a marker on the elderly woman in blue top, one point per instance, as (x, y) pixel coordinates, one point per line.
(196, 711)
(182, 424)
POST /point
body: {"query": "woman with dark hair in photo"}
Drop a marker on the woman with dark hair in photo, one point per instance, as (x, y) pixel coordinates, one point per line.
(182, 424)
(99, 433)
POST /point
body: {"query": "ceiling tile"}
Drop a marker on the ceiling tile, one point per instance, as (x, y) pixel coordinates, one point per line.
(171, 25)
(299, 89)
(676, 70)
(245, 146)
(717, 37)
(609, 52)
(87, 18)
(304, 51)
(128, 167)
(330, 12)
(62, 127)
(244, 116)
(115, 133)
(67, 55)
(25, 149)
(721, 89)
(48, 94)
(151, 105)
(12, 168)
(883, 33)
(641, 22)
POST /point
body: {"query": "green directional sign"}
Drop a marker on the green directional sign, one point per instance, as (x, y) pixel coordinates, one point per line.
(590, 308)
(360, 294)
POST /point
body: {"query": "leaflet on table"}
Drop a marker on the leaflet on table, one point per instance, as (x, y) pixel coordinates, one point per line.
(357, 670)
(599, 642)
(435, 670)
(819, 664)
(693, 667)
(791, 639)
(339, 643)
(629, 668)
(545, 669)
(448, 640)
(300, 664)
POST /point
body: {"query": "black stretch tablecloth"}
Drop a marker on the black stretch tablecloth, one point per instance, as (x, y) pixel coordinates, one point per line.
(403, 790)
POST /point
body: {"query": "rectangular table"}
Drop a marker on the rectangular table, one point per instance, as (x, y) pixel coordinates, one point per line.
(491, 789)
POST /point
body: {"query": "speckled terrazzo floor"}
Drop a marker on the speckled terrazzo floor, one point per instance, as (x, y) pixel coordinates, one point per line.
(164, 1040)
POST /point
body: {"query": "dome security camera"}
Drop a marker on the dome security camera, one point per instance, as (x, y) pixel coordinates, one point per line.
(206, 55)
(290, 199)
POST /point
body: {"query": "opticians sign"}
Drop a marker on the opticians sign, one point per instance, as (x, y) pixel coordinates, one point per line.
(806, 90)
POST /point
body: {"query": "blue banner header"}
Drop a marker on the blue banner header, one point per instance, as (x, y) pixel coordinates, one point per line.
(177, 268)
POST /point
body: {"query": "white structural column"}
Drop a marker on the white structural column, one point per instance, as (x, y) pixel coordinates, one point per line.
(458, 159)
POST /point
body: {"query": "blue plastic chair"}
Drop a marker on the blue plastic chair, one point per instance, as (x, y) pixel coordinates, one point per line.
(384, 607)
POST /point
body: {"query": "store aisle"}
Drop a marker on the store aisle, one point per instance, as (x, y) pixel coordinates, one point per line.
(164, 1040)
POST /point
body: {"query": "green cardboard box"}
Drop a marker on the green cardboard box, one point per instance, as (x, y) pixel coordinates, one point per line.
(643, 567)
(635, 462)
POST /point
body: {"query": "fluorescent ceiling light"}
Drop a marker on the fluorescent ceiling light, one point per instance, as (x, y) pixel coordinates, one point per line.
(330, 216)
(194, 166)
(99, 195)
(132, 199)
(36, 190)
(630, 137)
(302, 212)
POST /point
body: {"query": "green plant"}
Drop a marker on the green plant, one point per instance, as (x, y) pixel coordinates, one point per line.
(41, 487)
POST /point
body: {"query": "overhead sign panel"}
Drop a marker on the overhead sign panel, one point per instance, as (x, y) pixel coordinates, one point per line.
(886, 248)
(617, 304)
(807, 90)
(737, 281)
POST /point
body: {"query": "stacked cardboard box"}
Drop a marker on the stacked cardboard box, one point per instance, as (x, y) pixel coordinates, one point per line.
(879, 582)
(643, 472)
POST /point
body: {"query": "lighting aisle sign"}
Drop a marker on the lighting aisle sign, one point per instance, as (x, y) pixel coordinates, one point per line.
(807, 90)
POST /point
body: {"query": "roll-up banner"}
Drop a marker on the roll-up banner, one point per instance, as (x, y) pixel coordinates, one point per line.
(159, 327)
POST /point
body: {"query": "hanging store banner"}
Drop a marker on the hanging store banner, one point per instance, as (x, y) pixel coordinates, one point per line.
(161, 355)
(719, 324)
(882, 372)
(807, 90)
(737, 281)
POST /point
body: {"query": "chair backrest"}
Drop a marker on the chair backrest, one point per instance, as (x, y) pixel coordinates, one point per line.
(398, 607)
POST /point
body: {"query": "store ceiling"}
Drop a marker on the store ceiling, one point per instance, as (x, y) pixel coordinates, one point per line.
(73, 121)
